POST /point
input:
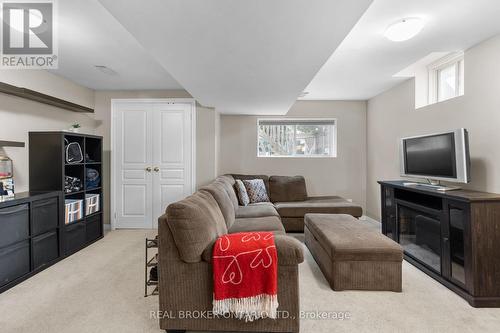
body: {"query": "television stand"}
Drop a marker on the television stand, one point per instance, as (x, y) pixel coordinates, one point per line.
(454, 237)
(437, 187)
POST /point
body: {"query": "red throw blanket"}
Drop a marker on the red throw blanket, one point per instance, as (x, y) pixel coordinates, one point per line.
(245, 267)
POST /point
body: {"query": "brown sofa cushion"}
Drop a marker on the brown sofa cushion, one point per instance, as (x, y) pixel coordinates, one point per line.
(260, 209)
(265, 178)
(220, 195)
(195, 222)
(345, 238)
(286, 188)
(321, 205)
(228, 182)
(267, 223)
(290, 251)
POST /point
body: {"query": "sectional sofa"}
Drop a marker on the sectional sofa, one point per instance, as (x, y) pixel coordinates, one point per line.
(290, 201)
(189, 228)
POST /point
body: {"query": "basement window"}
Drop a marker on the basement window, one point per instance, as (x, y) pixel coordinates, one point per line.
(446, 78)
(297, 137)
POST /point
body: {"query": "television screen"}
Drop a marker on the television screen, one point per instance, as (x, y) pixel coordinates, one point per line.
(432, 156)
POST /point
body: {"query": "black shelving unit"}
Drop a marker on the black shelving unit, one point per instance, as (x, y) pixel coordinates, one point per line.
(48, 168)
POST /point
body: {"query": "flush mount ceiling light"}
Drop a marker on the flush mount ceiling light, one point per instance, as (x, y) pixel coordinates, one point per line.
(404, 29)
(105, 70)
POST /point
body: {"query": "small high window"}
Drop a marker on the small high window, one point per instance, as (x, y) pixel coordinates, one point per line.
(446, 78)
(296, 138)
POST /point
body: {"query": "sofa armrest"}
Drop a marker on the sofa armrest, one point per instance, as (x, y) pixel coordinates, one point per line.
(290, 251)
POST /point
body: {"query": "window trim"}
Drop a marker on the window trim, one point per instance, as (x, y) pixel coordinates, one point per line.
(310, 119)
(456, 59)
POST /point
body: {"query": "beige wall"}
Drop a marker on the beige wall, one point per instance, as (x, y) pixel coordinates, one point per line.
(18, 116)
(343, 175)
(206, 145)
(392, 115)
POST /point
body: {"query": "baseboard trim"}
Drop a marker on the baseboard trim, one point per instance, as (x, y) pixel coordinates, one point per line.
(369, 219)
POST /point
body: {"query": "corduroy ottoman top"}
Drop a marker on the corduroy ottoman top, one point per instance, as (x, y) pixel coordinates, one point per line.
(346, 238)
(351, 254)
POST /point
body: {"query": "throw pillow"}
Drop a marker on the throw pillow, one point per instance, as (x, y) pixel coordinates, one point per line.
(256, 190)
(241, 192)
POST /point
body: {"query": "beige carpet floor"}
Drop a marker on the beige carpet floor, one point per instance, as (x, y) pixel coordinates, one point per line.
(100, 289)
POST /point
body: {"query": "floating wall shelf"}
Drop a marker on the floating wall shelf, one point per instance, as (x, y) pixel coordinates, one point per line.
(42, 98)
(11, 144)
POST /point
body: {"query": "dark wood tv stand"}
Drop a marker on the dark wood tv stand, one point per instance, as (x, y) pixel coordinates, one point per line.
(452, 236)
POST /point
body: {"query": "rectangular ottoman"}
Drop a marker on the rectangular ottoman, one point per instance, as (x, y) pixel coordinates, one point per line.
(353, 255)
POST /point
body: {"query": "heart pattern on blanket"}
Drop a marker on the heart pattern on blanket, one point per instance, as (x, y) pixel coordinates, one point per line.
(263, 258)
(233, 273)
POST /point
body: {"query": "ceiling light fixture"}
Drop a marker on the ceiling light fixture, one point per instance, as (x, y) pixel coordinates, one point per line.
(105, 70)
(404, 29)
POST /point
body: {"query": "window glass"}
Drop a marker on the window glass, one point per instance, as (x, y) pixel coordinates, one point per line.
(447, 82)
(296, 138)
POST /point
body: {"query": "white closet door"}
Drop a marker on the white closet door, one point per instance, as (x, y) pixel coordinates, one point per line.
(132, 167)
(172, 155)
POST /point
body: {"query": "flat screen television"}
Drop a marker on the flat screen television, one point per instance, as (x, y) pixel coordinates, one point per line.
(441, 156)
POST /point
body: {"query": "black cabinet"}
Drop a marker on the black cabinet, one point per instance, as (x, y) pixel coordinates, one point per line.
(30, 231)
(452, 236)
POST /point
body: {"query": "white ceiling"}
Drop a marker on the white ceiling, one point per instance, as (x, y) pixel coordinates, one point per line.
(364, 64)
(244, 57)
(89, 35)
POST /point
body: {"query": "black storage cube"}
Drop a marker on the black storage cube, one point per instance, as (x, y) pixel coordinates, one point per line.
(45, 216)
(14, 224)
(45, 249)
(93, 228)
(14, 262)
(75, 237)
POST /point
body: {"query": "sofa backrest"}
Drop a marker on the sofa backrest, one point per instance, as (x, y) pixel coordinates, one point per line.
(195, 222)
(228, 182)
(287, 188)
(265, 178)
(218, 190)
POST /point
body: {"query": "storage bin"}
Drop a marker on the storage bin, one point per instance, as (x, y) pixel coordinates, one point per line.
(45, 249)
(73, 210)
(14, 262)
(45, 216)
(93, 228)
(75, 238)
(91, 203)
(14, 224)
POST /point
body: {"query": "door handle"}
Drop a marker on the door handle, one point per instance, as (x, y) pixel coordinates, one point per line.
(156, 169)
(148, 169)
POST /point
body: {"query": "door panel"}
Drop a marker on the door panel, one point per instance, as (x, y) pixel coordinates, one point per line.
(171, 155)
(171, 146)
(133, 137)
